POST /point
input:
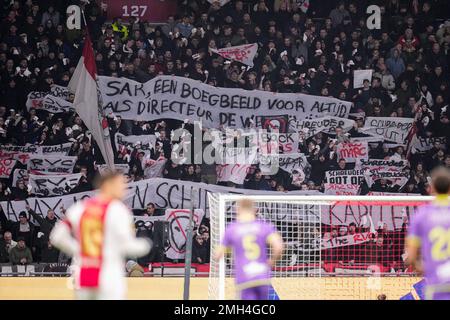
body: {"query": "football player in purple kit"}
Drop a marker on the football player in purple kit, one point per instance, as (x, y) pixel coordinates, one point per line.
(250, 240)
(428, 241)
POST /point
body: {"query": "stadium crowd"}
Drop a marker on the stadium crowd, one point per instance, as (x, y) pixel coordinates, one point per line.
(312, 53)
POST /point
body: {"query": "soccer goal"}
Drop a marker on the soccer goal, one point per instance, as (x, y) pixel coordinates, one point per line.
(336, 247)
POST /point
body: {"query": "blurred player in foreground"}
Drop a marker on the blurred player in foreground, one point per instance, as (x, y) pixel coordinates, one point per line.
(249, 239)
(99, 234)
(428, 241)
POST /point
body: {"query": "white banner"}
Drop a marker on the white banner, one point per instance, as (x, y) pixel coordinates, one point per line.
(22, 157)
(164, 193)
(234, 173)
(6, 167)
(23, 153)
(291, 163)
(220, 2)
(244, 53)
(381, 164)
(59, 149)
(326, 124)
(34, 99)
(55, 105)
(144, 143)
(422, 144)
(345, 177)
(60, 92)
(303, 5)
(362, 213)
(341, 189)
(343, 241)
(178, 223)
(146, 222)
(51, 164)
(396, 177)
(391, 128)
(274, 142)
(122, 168)
(20, 174)
(154, 168)
(359, 76)
(350, 151)
(53, 185)
(183, 98)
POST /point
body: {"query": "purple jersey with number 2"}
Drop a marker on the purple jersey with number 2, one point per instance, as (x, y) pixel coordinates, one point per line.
(249, 243)
(430, 227)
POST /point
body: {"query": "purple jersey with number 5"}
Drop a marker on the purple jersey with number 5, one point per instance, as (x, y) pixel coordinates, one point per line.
(249, 243)
(430, 227)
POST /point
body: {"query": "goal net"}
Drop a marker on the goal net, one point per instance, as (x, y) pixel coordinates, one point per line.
(335, 247)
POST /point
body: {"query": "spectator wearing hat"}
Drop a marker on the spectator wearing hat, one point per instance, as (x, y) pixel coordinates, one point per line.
(20, 254)
(134, 269)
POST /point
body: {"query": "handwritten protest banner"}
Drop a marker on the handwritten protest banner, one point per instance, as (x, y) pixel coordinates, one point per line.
(391, 128)
(344, 241)
(20, 174)
(381, 164)
(119, 167)
(22, 157)
(345, 177)
(53, 185)
(290, 163)
(273, 142)
(51, 164)
(244, 53)
(178, 224)
(154, 168)
(350, 151)
(234, 173)
(279, 123)
(359, 76)
(220, 2)
(143, 143)
(423, 144)
(59, 149)
(326, 124)
(399, 178)
(164, 193)
(183, 98)
(341, 189)
(6, 167)
(55, 105)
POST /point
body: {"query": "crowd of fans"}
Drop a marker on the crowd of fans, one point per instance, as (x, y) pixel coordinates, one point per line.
(313, 53)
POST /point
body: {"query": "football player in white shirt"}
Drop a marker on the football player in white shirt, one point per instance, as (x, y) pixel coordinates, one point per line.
(98, 233)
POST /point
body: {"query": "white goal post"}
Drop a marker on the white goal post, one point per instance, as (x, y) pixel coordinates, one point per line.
(327, 239)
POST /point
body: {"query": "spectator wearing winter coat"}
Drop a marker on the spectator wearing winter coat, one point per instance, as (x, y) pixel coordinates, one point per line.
(386, 78)
(395, 64)
(20, 254)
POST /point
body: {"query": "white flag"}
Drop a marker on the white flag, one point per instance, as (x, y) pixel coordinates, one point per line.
(303, 5)
(244, 53)
(83, 84)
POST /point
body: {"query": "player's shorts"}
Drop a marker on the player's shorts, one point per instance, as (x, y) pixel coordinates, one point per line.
(440, 296)
(255, 293)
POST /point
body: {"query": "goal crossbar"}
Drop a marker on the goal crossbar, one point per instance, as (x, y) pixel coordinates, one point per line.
(301, 231)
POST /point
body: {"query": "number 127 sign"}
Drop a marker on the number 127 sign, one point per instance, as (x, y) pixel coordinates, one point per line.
(145, 10)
